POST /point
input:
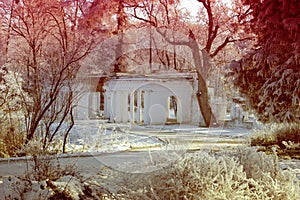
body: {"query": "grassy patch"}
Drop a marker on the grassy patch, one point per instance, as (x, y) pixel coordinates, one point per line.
(245, 175)
(285, 137)
(242, 174)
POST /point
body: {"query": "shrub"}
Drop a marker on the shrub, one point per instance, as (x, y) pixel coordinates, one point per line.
(12, 101)
(246, 175)
(286, 137)
(43, 166)
(11, 140)
(44, 178)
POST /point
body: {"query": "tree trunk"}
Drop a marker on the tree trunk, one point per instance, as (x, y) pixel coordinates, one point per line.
(202, 92)
(120, 62)
(68, 131)
(200, 65)
(203, 102)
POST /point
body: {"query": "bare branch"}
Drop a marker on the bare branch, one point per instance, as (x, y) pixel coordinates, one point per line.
(212, 30)
(165, 5)
(152, 23)
(220, 47)
(164, 34)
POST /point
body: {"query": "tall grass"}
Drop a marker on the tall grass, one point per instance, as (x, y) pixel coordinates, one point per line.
(246, 175)
(285, 137)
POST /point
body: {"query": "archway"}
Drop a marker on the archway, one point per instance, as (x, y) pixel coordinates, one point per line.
(172, 109)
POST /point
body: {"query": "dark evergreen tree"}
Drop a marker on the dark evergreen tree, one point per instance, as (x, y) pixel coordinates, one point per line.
(269, 75)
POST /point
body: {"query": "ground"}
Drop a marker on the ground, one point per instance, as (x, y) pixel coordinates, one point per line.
(96, 146)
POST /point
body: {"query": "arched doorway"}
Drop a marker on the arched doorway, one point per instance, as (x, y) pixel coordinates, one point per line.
(172, 109)
(136, 106)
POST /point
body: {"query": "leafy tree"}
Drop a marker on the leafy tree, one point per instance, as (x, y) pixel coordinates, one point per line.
(219, 23)
(13, 99)
(269, 75)
(45, 42)
(216, 28)
(108, 18)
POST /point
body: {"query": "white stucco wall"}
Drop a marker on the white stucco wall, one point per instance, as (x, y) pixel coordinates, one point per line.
(82, 108)
(156, 93)
(124, 96)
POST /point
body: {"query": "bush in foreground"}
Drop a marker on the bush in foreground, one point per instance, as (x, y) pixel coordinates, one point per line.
(12, 101)
(245, 175)
(286, 138)
(46, 177)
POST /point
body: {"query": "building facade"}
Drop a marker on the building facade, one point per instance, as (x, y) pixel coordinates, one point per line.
(154, 99)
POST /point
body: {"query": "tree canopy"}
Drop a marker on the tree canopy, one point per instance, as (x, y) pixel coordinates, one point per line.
(44, 42)
(269, 76)
(47, 43)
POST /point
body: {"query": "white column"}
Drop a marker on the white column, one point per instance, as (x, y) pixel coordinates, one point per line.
(97, 95)
(132, 114)
(92, 107)
(147, 103)
(179, 111)
(106, 112)
(106, 103)
(111, 106)
(118, 106)
(82, 107)
(124, 111)
(139, 106)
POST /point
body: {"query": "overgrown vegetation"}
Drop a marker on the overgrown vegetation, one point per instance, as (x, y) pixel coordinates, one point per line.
(44, 178)
(43, 44)
(12, 100)
(242, 174)
(284, 137)
(245, 175)
(268, 76)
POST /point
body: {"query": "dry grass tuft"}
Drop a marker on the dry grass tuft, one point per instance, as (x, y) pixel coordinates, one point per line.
(246, 175)
(285, 137)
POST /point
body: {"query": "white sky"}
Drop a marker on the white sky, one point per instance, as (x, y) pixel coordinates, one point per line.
(193, 5)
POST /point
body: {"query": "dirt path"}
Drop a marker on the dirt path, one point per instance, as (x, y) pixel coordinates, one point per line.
(177, 142)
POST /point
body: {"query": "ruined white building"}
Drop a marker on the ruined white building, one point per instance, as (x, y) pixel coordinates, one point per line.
(143, 99)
